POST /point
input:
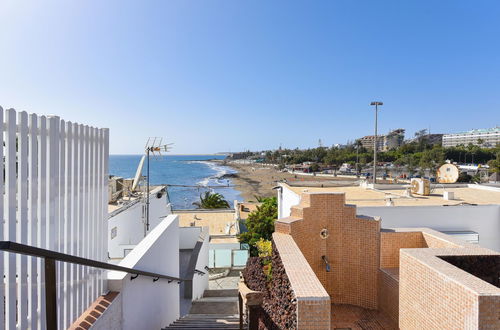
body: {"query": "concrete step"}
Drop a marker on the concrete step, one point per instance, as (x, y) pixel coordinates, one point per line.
(214, 307)
(221, 293)
(224, 316)
(217, 299)
(218, 309)
(207, 321)
(202, 326)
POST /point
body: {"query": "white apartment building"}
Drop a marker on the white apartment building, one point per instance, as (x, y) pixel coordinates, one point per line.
(483, 137)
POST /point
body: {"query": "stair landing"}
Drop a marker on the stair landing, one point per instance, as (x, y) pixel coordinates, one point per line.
(218, 309)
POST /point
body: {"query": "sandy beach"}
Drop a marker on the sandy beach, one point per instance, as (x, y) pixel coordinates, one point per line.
(258, 180)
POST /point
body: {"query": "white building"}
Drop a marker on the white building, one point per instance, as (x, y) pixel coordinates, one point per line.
(127, 223)
(483, 137)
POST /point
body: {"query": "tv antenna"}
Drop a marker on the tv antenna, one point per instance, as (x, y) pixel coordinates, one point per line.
(153, 147)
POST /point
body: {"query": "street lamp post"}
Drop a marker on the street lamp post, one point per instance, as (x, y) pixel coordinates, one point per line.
(376, 104)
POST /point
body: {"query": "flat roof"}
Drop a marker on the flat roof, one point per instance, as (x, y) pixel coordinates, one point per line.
(246, 208)
(130, 200)
(359, 196)
(217, 221)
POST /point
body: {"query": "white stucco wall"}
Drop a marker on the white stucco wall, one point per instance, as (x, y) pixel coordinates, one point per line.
(286, 199)
(111, 319)
(147, 304)
(129, 226)
(200, 282)
(188, 237)
(483, 219)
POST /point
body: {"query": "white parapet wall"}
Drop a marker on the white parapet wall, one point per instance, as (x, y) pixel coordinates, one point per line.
(148, 304)
(188, 237)
(126, 225)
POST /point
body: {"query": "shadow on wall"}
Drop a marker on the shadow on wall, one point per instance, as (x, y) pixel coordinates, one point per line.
(486, 268)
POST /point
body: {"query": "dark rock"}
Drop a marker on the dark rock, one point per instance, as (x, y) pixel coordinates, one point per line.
(279, 309)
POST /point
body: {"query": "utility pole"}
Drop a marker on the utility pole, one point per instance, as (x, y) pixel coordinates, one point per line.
(376, 104)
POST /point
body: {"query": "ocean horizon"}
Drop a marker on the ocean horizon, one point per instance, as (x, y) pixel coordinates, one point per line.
(191, 176)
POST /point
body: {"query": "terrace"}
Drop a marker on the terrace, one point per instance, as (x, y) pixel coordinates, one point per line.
(344, 271)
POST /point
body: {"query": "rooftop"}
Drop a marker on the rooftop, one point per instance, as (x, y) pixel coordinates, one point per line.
(124, 202)
(359, 196)
(246, 208)
(220, 222)
(475, 131)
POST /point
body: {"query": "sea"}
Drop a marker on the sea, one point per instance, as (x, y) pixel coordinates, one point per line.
(196, 173)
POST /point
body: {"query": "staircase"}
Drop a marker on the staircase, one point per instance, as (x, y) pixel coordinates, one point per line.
(218, 309)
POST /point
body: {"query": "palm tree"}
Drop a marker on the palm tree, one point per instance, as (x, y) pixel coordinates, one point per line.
(212, 201)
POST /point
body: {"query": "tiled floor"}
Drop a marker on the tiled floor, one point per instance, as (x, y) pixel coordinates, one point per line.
(228, 282)
(353, 317)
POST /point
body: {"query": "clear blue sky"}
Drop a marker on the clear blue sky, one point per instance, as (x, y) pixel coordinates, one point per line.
(231, 75)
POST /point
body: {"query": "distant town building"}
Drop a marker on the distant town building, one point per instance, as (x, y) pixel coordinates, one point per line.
(481, 137)
(433, 139)
(393, 139)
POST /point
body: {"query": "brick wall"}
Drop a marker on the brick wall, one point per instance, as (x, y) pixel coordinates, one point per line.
(489, 312)
(429, 300)
(388, 293)
(352, 246)
(313, 302)
(391, 242)
(442, 241)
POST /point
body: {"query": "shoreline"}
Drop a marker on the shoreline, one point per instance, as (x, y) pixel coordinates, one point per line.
(252, 180)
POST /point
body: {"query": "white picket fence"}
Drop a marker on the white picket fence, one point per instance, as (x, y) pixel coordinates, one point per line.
(55, 197)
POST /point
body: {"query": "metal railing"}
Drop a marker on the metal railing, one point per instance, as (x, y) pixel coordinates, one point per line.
(50, 257)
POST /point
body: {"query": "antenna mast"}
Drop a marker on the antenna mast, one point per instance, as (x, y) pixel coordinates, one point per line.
(154, 146)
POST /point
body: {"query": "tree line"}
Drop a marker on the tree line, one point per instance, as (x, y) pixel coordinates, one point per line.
(412, 155)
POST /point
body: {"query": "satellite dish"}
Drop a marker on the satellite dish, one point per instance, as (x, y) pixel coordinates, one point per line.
(447, 173)
(138, 173)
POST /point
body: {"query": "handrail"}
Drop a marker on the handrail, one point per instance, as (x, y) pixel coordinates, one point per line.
(199, 272)
(50, 258)
(43, 253)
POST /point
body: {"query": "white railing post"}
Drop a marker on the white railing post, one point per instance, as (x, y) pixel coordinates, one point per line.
(33, 220)
(42, 217)
(2, 214)
(10, 217)
(22, 217)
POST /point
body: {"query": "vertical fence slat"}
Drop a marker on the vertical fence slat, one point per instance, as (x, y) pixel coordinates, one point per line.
(52, 183)
(60, 236)
(68, 222)
(22, 219)
(90, 217)
(53, 188)
(54, 197)
(74, 227)
(42, 218)
(95, 213)
(85, 219)
(105, 213)
(10, 223)
(33, 219)
(99, 208)
(81, 199)
(3, 255)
